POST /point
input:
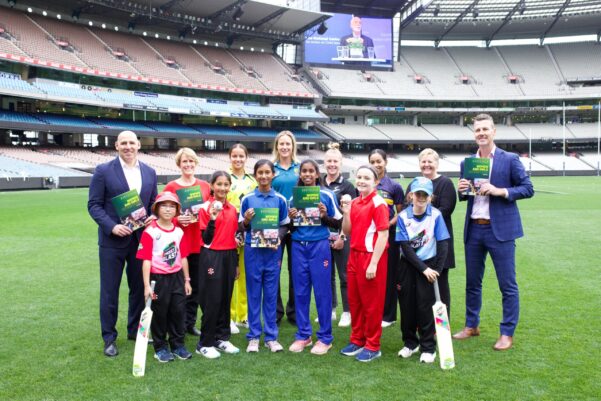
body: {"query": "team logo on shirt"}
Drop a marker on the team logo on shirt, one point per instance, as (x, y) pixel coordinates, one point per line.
(170, 254)
(419, 240)
(326, 263)
(210, 271)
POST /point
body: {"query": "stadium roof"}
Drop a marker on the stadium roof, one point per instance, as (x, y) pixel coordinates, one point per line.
(503, 19)
(211, 19)
(369, 8)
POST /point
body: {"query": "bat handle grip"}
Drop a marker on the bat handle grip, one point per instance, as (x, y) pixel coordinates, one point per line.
(436, 291)
(149, 300)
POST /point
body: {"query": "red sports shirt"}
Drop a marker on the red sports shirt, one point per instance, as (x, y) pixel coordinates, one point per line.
(164, 248)
(226, 225)
(368, 216)
(191, 231)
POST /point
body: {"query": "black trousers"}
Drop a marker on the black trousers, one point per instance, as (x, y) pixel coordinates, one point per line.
(112, 263)
(417, 298)
(392, 293)
(290, 312)
(217, 275)
(192, 300)
(340, 259)
(445, 290)
(168, 310)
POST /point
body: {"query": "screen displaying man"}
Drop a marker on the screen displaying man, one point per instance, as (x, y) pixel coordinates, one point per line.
(358, 43)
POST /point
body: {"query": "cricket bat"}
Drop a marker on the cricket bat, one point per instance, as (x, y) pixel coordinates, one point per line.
(142, 339)
(443, 332)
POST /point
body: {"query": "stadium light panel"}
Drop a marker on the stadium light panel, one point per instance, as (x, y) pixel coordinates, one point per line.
(103, 26)
(29, 10)
(168, 37)
(323, 28)
(194, 41)
(116, 29)
(58, 16)
(44, 13)
(206, 43)
(90, 23)
(144, 33)
(156, 35)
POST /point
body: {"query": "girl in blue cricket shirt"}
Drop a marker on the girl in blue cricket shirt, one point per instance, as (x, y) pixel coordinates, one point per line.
(424, 239)
(311, 264)
(262, 264)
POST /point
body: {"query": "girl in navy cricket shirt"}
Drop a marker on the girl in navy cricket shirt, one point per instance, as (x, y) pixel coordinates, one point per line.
(392, 192)
(311, 264)
(218, 221)
(262, 264)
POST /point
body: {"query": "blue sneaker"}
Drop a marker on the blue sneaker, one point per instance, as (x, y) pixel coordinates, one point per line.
(164, 356)
(368, 356)
(351, 350)
(182, 353)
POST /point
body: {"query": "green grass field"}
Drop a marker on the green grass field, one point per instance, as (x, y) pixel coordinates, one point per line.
(51, 349)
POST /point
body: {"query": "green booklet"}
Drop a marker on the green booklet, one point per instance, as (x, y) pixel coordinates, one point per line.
(305, 200)
(190, 199)
(264, 227)
(477, 171)
(130, 209)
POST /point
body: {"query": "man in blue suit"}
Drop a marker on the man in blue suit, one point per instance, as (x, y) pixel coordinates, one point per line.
(492, 224)
(117, 242)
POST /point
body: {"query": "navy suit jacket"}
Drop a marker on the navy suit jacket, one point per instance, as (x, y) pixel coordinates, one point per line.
(507, 172)
(109, 181)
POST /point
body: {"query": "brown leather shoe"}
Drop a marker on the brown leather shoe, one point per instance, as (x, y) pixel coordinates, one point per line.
(503, 343)
(466, 333)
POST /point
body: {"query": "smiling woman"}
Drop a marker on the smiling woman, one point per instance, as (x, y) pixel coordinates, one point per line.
(187, 161)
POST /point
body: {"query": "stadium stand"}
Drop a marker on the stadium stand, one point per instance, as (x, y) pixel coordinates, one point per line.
(446, 132)
(543, 131)
(555, 162)
(404, 133)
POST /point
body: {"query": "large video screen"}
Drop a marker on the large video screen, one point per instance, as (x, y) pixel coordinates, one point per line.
(353, 41)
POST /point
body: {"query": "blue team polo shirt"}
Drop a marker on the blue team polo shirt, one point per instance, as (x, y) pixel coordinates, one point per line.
(317, 233)
(392, 192)
(422, 234)
(258, 199)
(285, 179)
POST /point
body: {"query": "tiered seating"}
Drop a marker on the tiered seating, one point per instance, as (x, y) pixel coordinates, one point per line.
(231, 66)
(584, 130)
(89, 49)
(439, 69)
(272, 73)
(578, 59)
(556, 162)
(66, 91)
(17, 85)
(123, 125)
(33, 41)
(22, 118)
(402, 83)
(215, 130)
(533, 165)
(447, 132)
(533, 64)
(407, 133)
(141, 55)
(543, 131)
(20, 162)
(349, 83)
(167, 128)
(488, 71)
(53, 119)
(191, 63)
(8, 46)
(358, 132)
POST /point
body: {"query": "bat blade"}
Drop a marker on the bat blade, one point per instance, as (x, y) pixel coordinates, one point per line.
(443, 336)
(141, 348)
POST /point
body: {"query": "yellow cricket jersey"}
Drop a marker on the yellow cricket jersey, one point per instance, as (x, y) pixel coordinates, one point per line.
(239, 188)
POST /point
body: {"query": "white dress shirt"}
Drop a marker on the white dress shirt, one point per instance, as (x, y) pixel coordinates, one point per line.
(133, 175)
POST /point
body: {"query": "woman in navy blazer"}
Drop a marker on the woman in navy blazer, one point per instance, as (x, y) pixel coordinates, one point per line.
(117, 243)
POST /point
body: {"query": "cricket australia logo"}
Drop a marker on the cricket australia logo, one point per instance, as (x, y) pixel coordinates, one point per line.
(211, 271)
(326, 263)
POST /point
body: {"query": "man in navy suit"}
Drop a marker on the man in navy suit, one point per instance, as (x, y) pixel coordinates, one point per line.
(492, 224)
(357, 38)
(117, 242)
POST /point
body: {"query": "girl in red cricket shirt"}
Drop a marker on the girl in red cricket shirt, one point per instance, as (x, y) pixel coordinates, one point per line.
(365, 220)
(218, 221)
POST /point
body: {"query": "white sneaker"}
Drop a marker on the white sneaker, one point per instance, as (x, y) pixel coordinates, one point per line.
(333, 316)
(406, 352)
(427, 357)
(253, 345)
(227, 347)
(233, 328)
(243, 324)
(274, 346)
(345, 320)
(208, 352)
(387, 324)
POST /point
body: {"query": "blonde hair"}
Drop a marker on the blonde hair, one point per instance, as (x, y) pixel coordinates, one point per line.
(428, 152)
(185, 152)
(334, 149)
(276, 155)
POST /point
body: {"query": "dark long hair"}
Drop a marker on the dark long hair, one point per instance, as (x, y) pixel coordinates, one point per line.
(377, 151)
(217, 174)
(261, 163)
(300, 182)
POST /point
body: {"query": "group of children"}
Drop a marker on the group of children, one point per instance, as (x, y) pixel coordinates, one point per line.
(225, 232)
